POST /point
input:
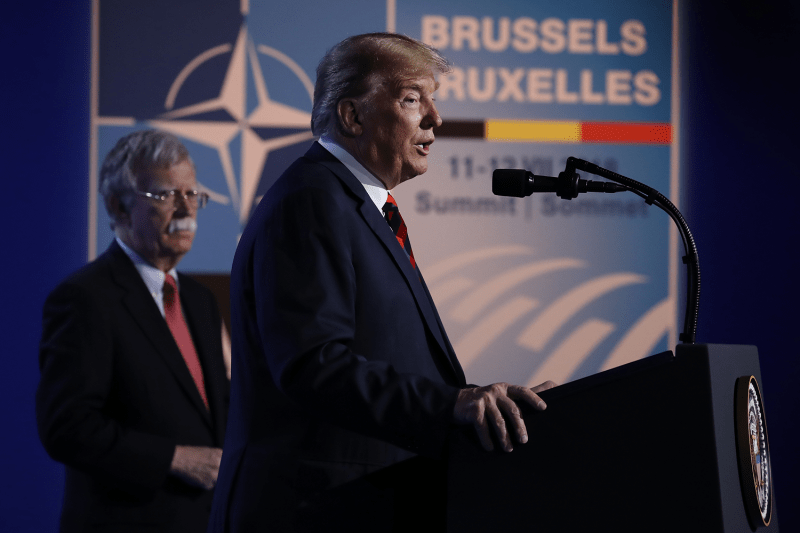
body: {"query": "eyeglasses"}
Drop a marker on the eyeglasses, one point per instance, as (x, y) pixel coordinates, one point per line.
(193, 198)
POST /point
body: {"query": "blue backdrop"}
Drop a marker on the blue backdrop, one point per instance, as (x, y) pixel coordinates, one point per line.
(737, 140)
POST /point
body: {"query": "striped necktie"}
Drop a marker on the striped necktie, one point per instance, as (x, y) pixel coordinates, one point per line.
(392, 215)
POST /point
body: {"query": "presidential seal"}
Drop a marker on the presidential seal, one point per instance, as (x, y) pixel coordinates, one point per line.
(752, 448)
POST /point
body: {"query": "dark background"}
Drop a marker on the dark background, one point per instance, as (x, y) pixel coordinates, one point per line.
(738, 133)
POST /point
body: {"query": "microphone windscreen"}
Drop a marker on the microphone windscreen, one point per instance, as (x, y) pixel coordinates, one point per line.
(509, 182)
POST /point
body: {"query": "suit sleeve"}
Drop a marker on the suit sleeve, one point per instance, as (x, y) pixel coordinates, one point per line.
(73, 416)
(307, 279)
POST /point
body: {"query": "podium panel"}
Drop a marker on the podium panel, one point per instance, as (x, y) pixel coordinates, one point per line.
(648, 446)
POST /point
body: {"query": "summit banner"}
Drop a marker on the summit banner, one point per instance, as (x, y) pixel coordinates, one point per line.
(528, 289)
(543, 288)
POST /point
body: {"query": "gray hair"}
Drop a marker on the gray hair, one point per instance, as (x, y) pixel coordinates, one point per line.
(350, 70)
(136, 152)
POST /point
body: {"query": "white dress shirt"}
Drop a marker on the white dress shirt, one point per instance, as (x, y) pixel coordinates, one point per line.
(153, 278)
(375, 189)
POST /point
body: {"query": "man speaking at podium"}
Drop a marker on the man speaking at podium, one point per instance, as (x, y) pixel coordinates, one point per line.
(341, 365)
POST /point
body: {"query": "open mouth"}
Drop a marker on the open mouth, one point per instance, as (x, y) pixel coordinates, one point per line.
(425, 147)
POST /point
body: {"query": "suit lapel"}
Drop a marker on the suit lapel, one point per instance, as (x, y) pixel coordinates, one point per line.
(451, 353)
(145, 314)
(384, 233)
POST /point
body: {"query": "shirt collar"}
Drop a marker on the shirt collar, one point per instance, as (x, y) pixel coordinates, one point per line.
(153, 277)
(375, 189)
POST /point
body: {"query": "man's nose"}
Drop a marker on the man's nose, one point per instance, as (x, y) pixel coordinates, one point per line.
(184, 204)
(432, 118)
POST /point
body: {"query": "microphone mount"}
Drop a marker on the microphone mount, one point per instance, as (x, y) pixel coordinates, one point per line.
(690, 259)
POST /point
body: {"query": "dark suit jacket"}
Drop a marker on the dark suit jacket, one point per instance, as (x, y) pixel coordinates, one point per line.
(341, 364)
(116, 397)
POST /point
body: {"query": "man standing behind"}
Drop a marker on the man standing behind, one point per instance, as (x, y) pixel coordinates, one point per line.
(134, 393)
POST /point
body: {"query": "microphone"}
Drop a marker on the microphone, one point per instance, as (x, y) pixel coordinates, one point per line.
(521, 183)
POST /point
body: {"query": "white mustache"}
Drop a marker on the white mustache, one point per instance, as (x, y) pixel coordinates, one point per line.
(182, 224)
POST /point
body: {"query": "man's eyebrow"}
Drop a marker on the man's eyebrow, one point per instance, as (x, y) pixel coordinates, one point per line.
(411, 86)
(416, 86)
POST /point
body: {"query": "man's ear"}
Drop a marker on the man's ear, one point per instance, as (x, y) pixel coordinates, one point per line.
(119, 211)
(348, 110)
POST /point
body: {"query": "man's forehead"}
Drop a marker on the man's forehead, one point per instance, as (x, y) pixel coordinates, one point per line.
(179, 173)
(422, 83)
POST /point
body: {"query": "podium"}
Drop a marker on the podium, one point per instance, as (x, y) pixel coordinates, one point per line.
(648, 446)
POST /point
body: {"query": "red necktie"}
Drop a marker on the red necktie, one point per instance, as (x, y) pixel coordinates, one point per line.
(180, 331)
(392, 215)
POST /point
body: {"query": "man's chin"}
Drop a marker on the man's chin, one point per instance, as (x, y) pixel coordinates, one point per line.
(179, 242)
(417, 171)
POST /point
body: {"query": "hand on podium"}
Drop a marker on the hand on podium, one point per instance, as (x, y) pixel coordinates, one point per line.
(496, 406)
